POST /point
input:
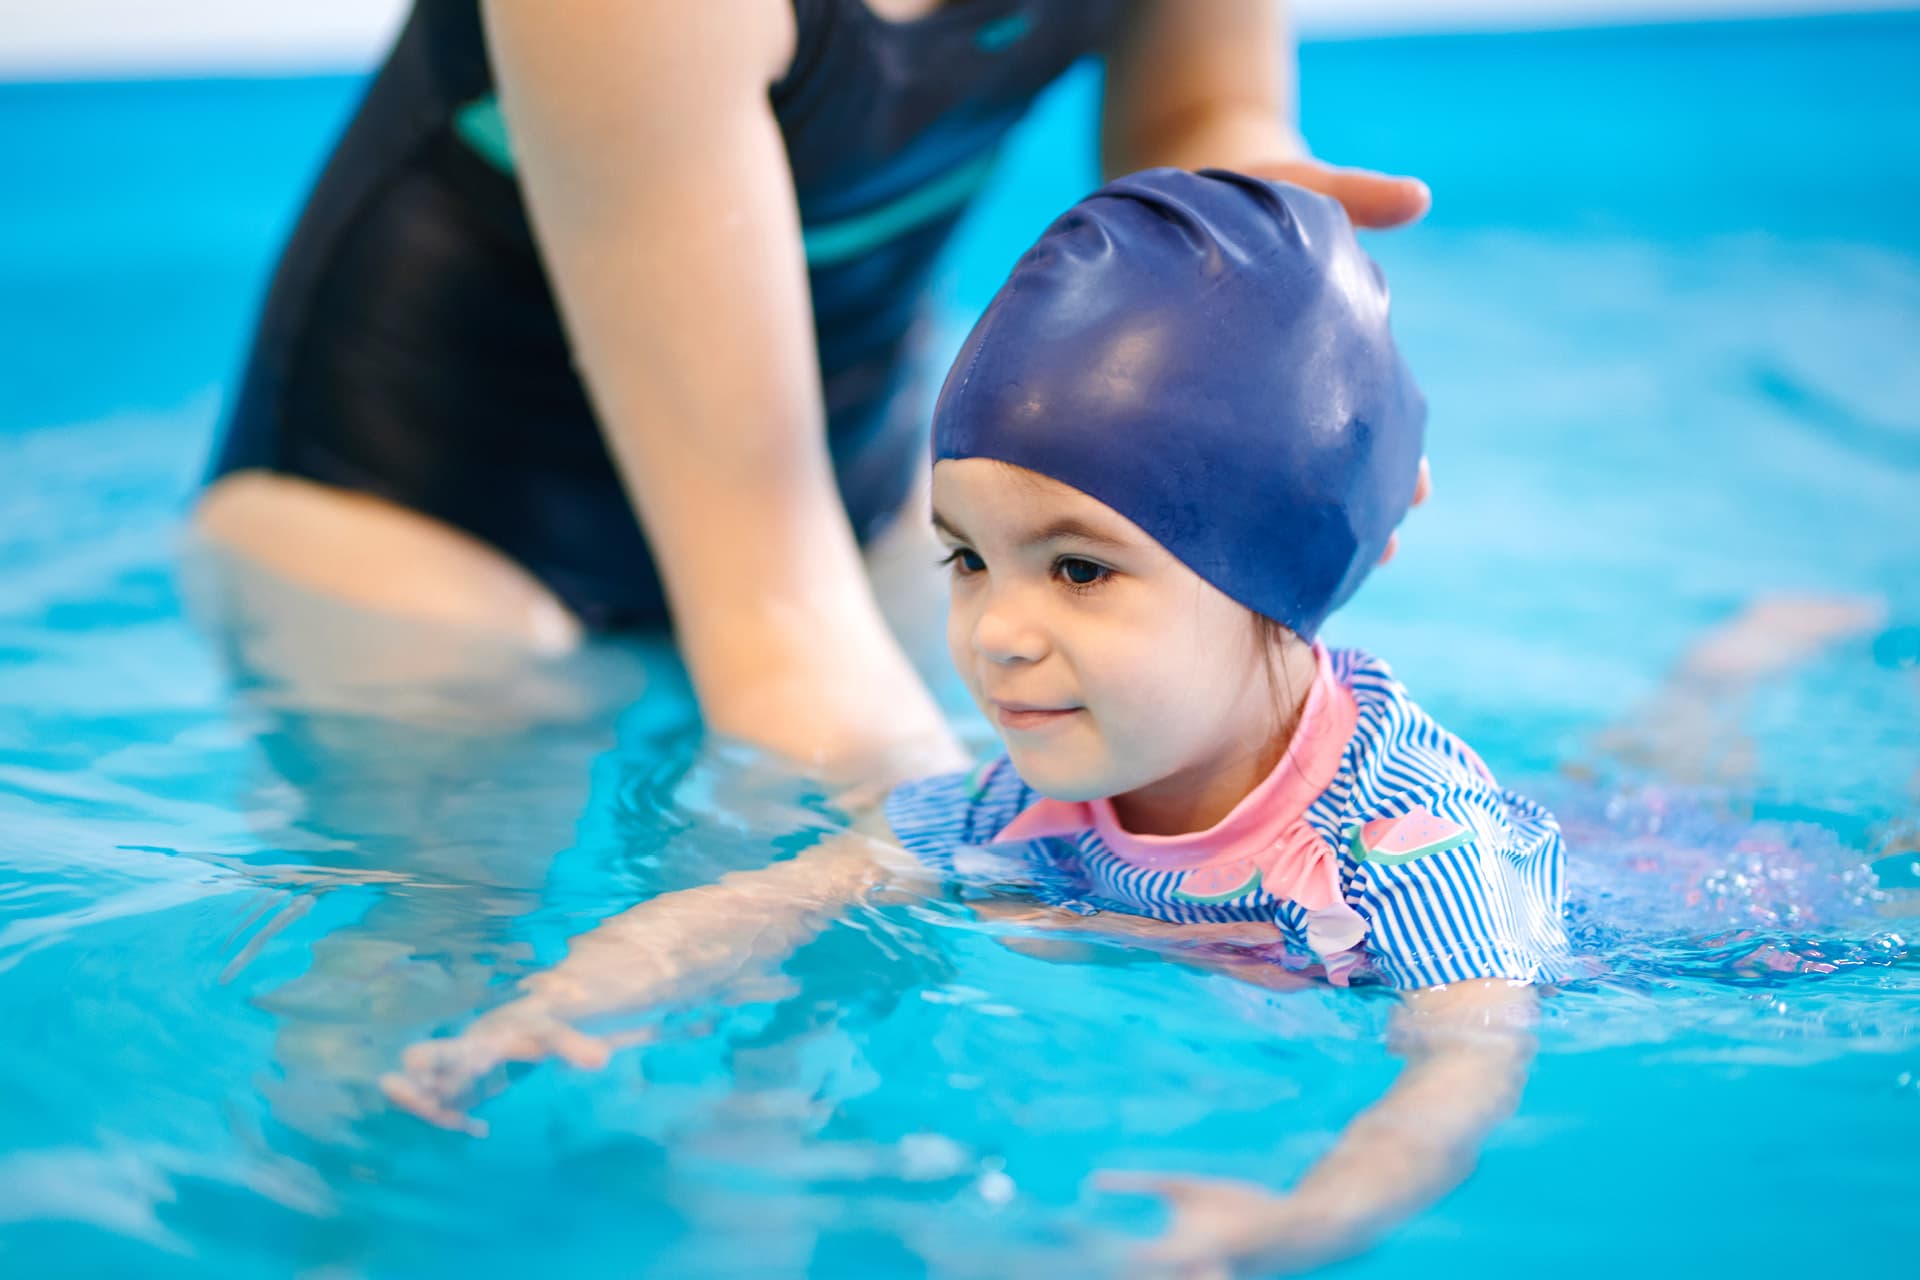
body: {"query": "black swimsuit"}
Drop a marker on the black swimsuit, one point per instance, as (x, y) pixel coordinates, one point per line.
(410, 346)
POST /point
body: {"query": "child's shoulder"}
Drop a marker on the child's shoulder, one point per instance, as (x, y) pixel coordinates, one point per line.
(1402, 762)
(930, 816)
(1456, 876)
(1398, 750)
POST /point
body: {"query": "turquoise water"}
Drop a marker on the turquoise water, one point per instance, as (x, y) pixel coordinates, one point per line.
(1666, 311)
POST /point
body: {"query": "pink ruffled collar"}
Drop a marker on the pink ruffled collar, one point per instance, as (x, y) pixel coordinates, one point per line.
(1266, 834)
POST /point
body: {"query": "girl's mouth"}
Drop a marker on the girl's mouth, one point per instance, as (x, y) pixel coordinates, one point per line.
(1025, 718)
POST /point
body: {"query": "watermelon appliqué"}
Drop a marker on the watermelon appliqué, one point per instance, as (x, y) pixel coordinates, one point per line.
(1211, 885)
(1415, 834)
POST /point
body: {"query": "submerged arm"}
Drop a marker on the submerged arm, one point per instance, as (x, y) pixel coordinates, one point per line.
(672, 948)
(689, 942)
(1467, 1048)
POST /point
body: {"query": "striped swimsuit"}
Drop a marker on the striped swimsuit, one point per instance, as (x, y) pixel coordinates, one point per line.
(1380, 849)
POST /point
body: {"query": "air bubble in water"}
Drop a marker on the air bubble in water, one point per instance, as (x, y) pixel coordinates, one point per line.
(995, 1187)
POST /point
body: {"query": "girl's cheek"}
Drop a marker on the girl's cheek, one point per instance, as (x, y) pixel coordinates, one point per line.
(958, 629)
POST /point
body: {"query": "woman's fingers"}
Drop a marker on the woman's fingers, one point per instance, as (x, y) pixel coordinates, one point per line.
(1422, 490)
(1371, 199)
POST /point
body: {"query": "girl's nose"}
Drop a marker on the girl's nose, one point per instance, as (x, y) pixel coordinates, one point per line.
(1003, 634)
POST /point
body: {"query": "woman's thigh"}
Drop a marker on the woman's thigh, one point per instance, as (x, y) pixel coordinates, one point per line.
(378, 555)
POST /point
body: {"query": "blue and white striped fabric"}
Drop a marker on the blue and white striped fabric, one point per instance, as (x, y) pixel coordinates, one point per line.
(1487, 903)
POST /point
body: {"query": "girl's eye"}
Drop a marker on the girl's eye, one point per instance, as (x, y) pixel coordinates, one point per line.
(964, 561)
(1081, 573)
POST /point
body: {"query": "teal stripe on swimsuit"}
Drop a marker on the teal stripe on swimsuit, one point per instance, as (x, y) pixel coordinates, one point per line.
(829, 243)
(1004, 33)
(482, 127)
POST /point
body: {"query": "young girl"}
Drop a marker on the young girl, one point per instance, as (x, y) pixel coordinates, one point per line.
(1178, 439)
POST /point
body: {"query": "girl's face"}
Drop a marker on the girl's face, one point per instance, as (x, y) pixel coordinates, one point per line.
(1106, 666)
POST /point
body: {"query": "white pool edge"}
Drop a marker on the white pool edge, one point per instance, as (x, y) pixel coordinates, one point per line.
(89, 39)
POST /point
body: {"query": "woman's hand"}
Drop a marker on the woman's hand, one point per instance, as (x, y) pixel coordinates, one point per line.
(1210, 83)
(1422, 489)
(1220, 1227)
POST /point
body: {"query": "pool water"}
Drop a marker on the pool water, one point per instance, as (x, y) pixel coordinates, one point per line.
(1666, 311)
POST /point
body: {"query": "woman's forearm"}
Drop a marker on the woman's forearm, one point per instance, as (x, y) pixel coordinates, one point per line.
(1193, 83)
(663, 203)
(1229, 137)
(1210, 84)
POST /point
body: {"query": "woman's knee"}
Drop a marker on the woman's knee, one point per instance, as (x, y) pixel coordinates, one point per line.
(381, 556)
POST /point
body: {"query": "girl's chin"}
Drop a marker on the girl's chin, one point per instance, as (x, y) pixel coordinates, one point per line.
(1058, 779)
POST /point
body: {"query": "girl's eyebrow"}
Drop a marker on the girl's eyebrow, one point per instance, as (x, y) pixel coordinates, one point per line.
(1062, 528)
(942, 525)
(1079, 531)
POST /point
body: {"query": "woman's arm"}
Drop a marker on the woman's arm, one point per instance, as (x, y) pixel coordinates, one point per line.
(1467, 1048)
(1198, 83)
(675, 947)
(663, 205)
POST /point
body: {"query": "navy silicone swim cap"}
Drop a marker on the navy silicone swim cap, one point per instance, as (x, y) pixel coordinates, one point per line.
(1208, 354)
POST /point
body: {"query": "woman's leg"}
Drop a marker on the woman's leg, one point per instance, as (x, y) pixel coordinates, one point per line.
(381, 556)
(422, 749)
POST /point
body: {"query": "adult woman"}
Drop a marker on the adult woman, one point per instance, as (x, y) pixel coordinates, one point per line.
(679, 303)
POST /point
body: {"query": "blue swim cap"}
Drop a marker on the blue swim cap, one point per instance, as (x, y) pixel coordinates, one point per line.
(1208, 354)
